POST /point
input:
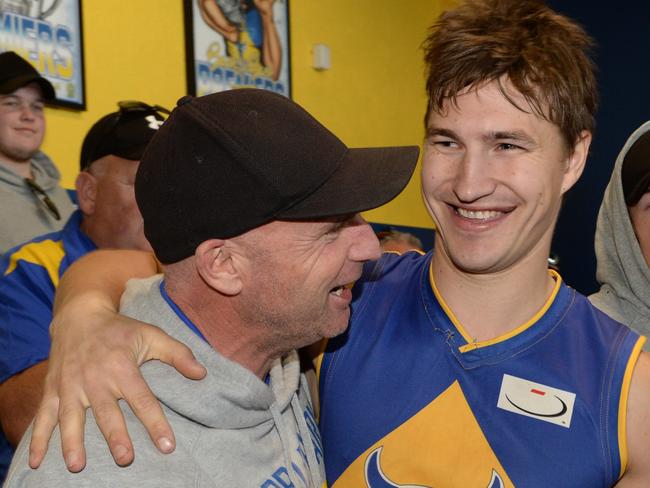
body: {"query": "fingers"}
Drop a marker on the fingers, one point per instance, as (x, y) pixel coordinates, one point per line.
(44, 423)
(98, 374)
(110, 421)
(158, 345)
(127, 383)
(147, 408)
(72, 421)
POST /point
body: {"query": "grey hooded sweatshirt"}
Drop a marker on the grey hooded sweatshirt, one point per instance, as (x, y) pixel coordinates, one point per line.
(621, 270)
(22, 216)
(231, 428)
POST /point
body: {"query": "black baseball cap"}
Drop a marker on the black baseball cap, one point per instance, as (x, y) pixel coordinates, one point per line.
(124, 133)
(15, 73)
(635, 173)
(226, 163)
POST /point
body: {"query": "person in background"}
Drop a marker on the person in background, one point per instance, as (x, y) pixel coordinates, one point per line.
(399, 242)
(107, 217)
(227, 211)
(623, 237)
(32, 202)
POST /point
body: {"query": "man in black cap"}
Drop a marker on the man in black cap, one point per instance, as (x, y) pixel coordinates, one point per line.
(623, 237)
(252, 207)
(108, 217)
(33, 202)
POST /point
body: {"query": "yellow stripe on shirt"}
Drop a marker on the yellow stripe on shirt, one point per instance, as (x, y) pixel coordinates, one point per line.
(47, 254)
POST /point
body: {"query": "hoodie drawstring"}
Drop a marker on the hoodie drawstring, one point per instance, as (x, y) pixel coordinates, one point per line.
(279, 423)
(305, 433)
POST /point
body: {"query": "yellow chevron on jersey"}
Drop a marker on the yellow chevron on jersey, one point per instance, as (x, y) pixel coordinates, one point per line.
(47, 254)
(407, 401)
(404, 456)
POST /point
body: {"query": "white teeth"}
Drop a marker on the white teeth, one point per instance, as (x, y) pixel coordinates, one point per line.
(337, 291)
(478, 214)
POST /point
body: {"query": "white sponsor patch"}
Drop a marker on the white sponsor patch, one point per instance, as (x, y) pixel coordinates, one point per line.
(535, 400)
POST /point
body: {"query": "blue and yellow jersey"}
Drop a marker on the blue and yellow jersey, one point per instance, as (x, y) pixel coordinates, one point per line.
(29, 275)
(409, 400)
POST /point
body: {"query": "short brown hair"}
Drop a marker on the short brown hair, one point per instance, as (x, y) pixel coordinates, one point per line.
(545, 55)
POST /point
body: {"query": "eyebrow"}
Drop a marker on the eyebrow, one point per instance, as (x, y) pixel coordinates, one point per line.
(514, 135)
(436, 131)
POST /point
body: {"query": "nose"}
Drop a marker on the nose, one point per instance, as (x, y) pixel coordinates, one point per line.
(26, 112)
(365, 245)
(474, 179)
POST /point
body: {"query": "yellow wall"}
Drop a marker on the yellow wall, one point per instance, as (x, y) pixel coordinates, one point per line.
(373, 95)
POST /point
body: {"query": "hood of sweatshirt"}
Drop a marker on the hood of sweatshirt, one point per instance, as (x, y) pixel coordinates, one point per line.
(46, 174)
(621, 270)
(230, 396)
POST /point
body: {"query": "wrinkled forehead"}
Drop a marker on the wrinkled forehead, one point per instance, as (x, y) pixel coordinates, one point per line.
(287, 234)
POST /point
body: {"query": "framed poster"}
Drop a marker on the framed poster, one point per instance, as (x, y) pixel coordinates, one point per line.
(236, 44)
(48, 34)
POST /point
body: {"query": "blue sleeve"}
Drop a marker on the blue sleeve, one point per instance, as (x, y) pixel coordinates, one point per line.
(26, 300)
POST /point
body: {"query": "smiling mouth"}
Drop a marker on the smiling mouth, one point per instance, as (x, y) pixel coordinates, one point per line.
(338, 290)
(480, 215)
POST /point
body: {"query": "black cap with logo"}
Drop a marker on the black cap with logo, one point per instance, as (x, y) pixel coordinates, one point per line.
(124, 133)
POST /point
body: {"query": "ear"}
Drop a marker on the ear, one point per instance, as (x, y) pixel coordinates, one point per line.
(218, 268)
(576, 161)
(86, 185)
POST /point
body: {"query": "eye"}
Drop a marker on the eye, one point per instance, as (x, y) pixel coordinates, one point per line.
(334, 230)
(444, 144)
(38, 107)
(506, 146)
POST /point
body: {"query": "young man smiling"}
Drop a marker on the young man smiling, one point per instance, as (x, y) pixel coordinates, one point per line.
(33, 202)
(473, 365)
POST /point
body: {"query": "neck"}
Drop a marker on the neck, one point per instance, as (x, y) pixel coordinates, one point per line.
(492, 304)
(218, 322)
(21, 168)
(98, 233)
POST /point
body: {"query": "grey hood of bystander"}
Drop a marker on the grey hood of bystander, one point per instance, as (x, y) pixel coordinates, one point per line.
(621, 270)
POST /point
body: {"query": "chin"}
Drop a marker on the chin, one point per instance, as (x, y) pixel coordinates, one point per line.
(340, 328)
(476, 265)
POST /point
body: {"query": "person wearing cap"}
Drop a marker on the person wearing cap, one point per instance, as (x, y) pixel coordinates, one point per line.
(247, 201)
(33, 202)
(108, 217)
(623, 237)
(473, 365)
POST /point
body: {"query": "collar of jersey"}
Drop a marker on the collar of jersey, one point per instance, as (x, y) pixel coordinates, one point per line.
(181, 315)
(473, 354)
(76, 242)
